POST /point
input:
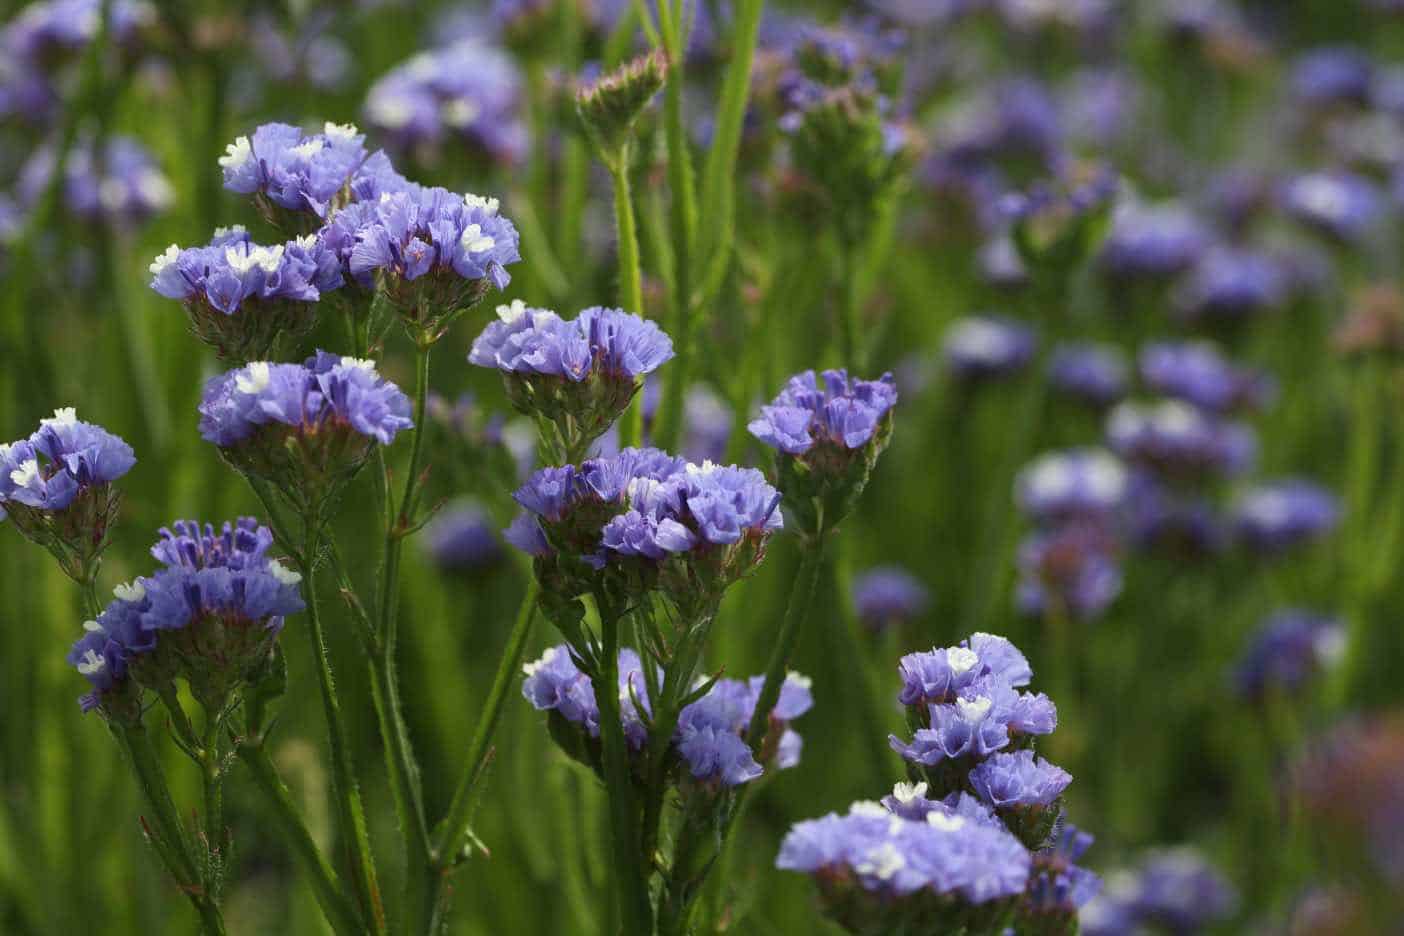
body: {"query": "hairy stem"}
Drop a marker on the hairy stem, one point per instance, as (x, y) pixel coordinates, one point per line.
(797, 609)
(630, 282)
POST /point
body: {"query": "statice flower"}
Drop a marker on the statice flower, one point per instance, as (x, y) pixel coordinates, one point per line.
(1341, 205)
(1097, 375)
(56, 487)
(1071, 570)
(888, 595)
(709, 738)
(124, 187)
(436, 253)
(1332, 76)
(208, 616)
(1058, 888)
(1181, 523)
(1174, 889)
(1018, 779)
(1230, 284)
(241, 297)
(1288, 649)
(1055, 223)
(987, 347)
(1275, 517)
(579, 374)
(984, 718)
(1176, 441)
(305, 427)
(829, 430)
(465, 92)
(1195, 371)
(1153, 242)
(1088, 483)
(289, 172)
(462, 538)
(881, 872)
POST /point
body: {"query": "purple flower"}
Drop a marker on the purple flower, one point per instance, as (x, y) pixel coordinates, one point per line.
(1175, 889)
(1152, 241)
(1071, 570)
(1332, 75)
(462, 538)
(1231, 283)
(465, 92)
(63, 460)
(1084, 483)
(884, 853)
(1019, 779)
(1339, 204)
(297, 171)
(325, 395)
(1195, 371)
(233, 271)
(980, 720)
(845, 412)
(1179, 523)
(888, 595)
(938, 675)
(1288, 649)
(1275, 517)
(124, 188)
(987, 346)
(223, 588)
(610, 342)
(1094, 374)
(1175, 440)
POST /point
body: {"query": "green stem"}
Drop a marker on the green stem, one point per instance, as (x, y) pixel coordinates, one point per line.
(167, 835)
(340, 912)
(351, 813)
(448, 842)
(212, 780)
(801, 599)
(630, 282)
(631, 881)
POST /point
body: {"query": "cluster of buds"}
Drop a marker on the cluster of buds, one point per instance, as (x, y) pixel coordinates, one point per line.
(609, 107)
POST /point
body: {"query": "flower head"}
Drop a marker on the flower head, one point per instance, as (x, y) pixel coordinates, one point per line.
(1272, 518)
(1070, 570)
(1197, 373)
(462, 538)
(888, 595)
(1341, 205)
(987, 347)
(1094, 374)
(1174, 440)
(1078, 483)
(1018, 778)
(1288, 649)
(1152, 242)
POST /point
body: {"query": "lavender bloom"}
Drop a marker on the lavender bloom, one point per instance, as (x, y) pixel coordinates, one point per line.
(1153, 242)
(1174, 522)
(1071, 570)
(1173, 439)
(465, 92)
(1079, 483)
(938, 675)
(462, 538)
(1178, 889)
(123, 188)
(61, 461)
(1339, 204)
(298, 172)
(1060, 887)
(1093, 374)
(888, 595)
(1232, 283)
(610, 342)
(980, 347)
(1019, 779)
(1272, 518)
(1332, 75)
(979, 722)
(224, 595)
(1195, 371)
(1288, 649)
(845, 413)
(887, 854)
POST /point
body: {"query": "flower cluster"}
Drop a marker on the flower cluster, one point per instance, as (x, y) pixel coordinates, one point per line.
(291, 173)
(208, 616)
(121, 185)
(888, 595)
(1288, 649)
(305, 427)
(1094, 374)
(241, 297)
(1175, 441)
(1152, 242)
(578, 374)
(710, 740)
(689, 529)
(1067, 564)
(462, 537)
(56, 487)
(1197, 373)
(828, 437)
(967, 845)
(466, 92)
(985, 347)
(1176, 889)
(1273, 518)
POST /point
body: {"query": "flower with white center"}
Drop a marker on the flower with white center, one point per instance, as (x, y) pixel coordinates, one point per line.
(340, 133)
(1106, 476)
(475, 241)
(5, 450)
(63, 416)
(112, 193)
(529, 669)
(226, 231)
(461, 112)
(882, 862)
(283, 574)
(974, 710)
(306, 242)
(488, 204)
(91, 663)
(26, 473)
(132, 591)
(389, 111)
(979, 340)
(1051, 478)
(907, 792)
(939, 820)
(155, 189)
(799, 680)
(236, 153)
(92, 627)
(512, 313)
(961, 659)
(308, 148)
(869, 810)
(253, 379)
